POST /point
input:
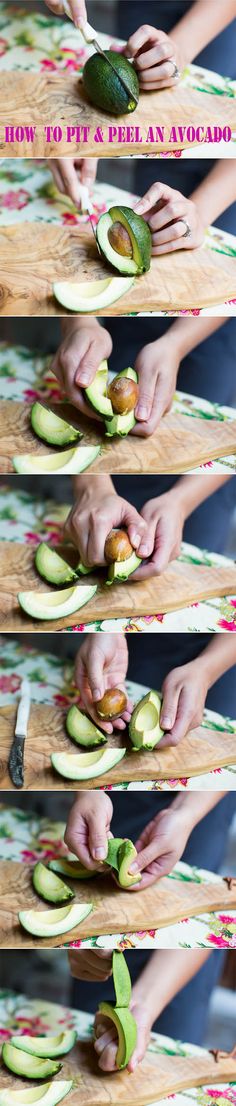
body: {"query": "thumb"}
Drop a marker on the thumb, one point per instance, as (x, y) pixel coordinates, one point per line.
(169, 706)
(89, 364)
(146, 393)
(97, 833)
(95, 673)
(88, 171)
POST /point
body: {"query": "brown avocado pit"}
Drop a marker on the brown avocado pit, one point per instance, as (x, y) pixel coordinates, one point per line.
(117, 546)
(123, 394)
(112, 704)
(120, 240)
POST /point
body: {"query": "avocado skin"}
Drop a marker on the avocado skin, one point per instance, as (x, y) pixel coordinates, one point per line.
(104, 89)
(139, 739)
(126, 1028)
(140, 236)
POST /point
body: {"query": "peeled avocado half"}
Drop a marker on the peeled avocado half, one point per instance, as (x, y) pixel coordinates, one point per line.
(50, 887)
(97, 396)
(51, 605)
(46, 1047)
(125, 240)
(82, 729)
(52, 428)
(31, 1067)
(69, 462)
(104, 88)
(52, 567)
(144, 728)
(49, 1094)
(50, 923)
(86, 766)
(91, 295)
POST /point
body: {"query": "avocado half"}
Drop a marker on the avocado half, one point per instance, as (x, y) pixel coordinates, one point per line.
(104, 87)
(121, 570)
(30, 1067)
(52, 428)
(49, 1094)
(126, 1029)
(144, 727)
(50, 887)
(139, 237)
(83, 730)
(99, 400)
(46, 1047)
(120, 854)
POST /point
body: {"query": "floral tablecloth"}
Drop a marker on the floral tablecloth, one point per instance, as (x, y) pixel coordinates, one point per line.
(27, 838)
(38, 42)
(28, 193)
(52, 683)
(25, 376)
(21, 1014)
(24, 518)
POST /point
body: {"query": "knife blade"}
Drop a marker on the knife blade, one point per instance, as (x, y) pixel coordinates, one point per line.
(87, 206)
(16, 758)
(88, 34)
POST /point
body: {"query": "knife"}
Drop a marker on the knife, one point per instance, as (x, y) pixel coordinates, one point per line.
(16, 758)
(87, 206)
(88, 34)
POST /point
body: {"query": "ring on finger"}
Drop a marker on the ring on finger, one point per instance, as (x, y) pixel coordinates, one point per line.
(187, 231)
(176, 71)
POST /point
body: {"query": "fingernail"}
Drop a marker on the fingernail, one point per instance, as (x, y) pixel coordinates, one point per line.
(133, 867)
(100, 854)
(141, 412)
(139, 206)
(97, 694)
(82, 378)
(136, 538)
(144, 551)
(165, 722)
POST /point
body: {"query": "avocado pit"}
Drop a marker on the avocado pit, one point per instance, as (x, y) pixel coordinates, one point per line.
(123, 394)
(117, 546)
(112, 704)
(120, 240)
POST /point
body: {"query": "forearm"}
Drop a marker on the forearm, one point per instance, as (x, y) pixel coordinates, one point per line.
(185, 334)
(73, 324)
(191, 491)
(200, 25)
(97, 486)
(164, 976)
(217, 658)
(216, 192)
(195, 806)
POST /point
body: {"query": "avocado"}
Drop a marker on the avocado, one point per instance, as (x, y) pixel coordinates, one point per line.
(46, 1047)
(51, 605)
(91, 295)
(52, 567)
(49, 1094)
(144, 727)
(51, 428)
(48, 886)
(82, 729)
(50, 923)
(31, 1067)
(120, 854)
(138, 233)
(69, 462)
(96, 393)
(71, 868)
(104, 88)
(86, 766)
(121, 570)
(126, 1028)
(122, 424)
(121, 979)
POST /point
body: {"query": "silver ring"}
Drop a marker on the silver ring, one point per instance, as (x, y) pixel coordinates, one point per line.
(176, 72)
(187, 232)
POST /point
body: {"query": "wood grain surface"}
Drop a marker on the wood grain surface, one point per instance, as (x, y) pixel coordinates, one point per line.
(48, 99)
(178, 444)
(114, 909)
(155, 1078)
(201, 751)
(181, 585)
(33, 256)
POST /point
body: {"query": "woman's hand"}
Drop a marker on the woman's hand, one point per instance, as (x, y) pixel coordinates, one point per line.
(92, 518)
(101, 663)
(106, 1039)
(160, 846)
(184, 694)
(164, 517)
(157, 366)
(174, 221)
(156, 58)
(94, 965)
(76, 362)
(77, 10)
(69, 173)
(88, 828)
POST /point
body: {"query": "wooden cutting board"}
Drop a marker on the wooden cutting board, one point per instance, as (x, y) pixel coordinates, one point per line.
(33, 256)
(179, 443)
(59, 99)
(114, 910)
(202, 750)
(178, 587)
(156, 1077)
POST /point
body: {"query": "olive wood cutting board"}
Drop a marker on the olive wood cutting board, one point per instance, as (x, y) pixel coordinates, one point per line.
(114, 910)
(33, 256)
(179, 443)
(178, 587)
(158, 1076)
(202, 750)
(59, 100)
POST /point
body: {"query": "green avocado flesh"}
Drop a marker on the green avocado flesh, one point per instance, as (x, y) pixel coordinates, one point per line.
(144, 728)
(52, 567)
(46, 1047)
(53, 605)
(49, 886)
(104, 88)
(96, 393)
(121, 979)
(82, 729)
(120, 855)
(51, 428)
(48, 1095)
(71, 868)
(67, 462)
(126, 1029)
(139, 235)
(31, 1067)
(121, 570)
(86, 766)
(50, 923)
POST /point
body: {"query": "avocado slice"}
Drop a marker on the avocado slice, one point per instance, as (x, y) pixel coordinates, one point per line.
(31, 1067)
(69, 462)
(49, 886)
(96, 393)
(51, 428)
(120, 854)
(86, 766)
(126, 1029)
(82, 729)
(50, 923)
(144, 728)
(52, 605)
(71, 868)
(52, 567)
(121, 979)
(46, 1047)
(121, 570)
(47, 1095)
(92, 295)
(139, 235)
(104, 88)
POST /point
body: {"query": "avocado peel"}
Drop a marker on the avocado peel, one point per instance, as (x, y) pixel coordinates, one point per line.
(104, 88)
(144, 728)
(139, 235)
(119, 1012)
(120, 855)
